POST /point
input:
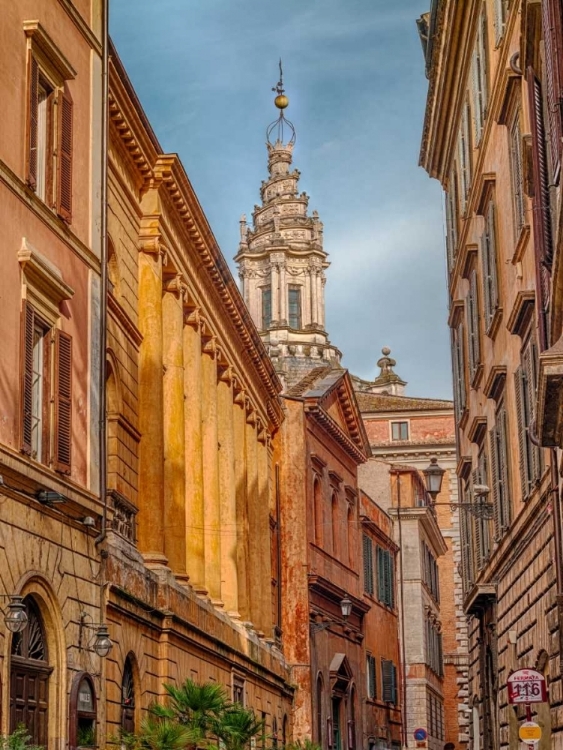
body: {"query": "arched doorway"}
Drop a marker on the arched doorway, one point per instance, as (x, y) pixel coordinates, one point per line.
(29, 677)
(128, 697)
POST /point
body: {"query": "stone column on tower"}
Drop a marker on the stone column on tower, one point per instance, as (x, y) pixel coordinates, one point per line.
(284, 246)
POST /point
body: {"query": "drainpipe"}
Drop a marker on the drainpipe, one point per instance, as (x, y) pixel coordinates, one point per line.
(104, 279)
(403, 647)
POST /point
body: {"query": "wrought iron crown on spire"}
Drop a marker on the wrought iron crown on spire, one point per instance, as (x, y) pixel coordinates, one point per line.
(282, 124)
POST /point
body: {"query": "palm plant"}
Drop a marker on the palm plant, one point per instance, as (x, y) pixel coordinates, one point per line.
(237, 727)
(159, 733)
(305, 744)
(198, 707)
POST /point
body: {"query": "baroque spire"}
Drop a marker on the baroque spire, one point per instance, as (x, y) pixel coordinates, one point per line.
(282, 262)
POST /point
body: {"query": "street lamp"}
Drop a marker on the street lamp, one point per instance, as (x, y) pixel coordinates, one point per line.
(480, 507)
(433, 476)
(100, 642)
(345, 608)
(15, 616)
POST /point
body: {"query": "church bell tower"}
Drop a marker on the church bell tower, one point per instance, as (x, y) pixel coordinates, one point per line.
(282, 263)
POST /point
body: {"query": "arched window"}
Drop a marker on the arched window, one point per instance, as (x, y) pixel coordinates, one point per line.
(318, 510)
(29, 677)
(128, 697)
(274, 732)
(350, 535)
(320, 713)
(335, 526)
(82, 715)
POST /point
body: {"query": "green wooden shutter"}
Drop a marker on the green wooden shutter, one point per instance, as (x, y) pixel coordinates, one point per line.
(387, 680)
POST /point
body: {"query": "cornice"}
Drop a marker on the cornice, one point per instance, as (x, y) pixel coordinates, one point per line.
(327, 423)
(427, 518)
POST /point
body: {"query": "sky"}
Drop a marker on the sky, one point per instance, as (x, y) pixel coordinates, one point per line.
(354, 74)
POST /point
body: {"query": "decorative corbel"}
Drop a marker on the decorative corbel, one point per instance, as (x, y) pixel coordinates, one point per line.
(250, 411)
(239, 393)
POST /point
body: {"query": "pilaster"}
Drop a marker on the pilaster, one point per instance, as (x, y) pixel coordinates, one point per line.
(241, 500)
(255, 542)
(195, 516)
(227, 490)
(151, 452)
(212, 511)
(174, 427)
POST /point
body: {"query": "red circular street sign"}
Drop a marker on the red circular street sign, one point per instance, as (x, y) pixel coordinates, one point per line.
(526, 686)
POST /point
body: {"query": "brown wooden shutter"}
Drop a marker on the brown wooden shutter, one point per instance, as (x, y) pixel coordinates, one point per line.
(506, 501)
(552, 27)
(63, 402)
(477, 530)
(26, 353)
(64, 156)
(522, 434)
(493, 443)
(32, 112)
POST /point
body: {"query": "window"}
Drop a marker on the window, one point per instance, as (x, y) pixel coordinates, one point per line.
(517, 175)
(498, 437)
(481, 534)
(466, 541)
(434, 652)
(266, 307)
(473, 332)
(238, 689)
(294, 293)
(385, 577)
(335, 525)
(464, 157)
(318, 507)
(320, 712)
(489, 260)
(479, 76)
(49, 133)
(46, 435)
(389, 681)
(458, 363)
(430, 574)
(368, 565)
(371, 677)
(530, 453)
(399, 430)
(435, 715)
(128, 697)
(501, 9)
(451, 220)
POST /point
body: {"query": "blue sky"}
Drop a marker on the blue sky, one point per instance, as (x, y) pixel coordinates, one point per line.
(354, 73)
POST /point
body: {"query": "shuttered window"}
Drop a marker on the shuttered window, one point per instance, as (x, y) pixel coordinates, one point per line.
(38, 434)
(498, 438)
(464, 158)
(552, 28)
(64, 156)
(525, 388)
(389, 681)
(481, 531)
(474, 338)
(500, 10)
(385, 577)
(451, 220)
(458, 366)
(368, 564)
(489, 261)
(479, 78)
(517, 174)
(466, 541)
(49, 144)
(371, 677)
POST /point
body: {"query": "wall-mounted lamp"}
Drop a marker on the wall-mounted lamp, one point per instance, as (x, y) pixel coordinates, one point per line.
(100, 642)
(15, 614)
(345, 608)
(480, 507)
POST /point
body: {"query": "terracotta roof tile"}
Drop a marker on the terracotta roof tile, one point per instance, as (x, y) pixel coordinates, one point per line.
(380, 402)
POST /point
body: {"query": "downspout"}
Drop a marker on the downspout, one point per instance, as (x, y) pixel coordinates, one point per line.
(104, 279)
(403, 647)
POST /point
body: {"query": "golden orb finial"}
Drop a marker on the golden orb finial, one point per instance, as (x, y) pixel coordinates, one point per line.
(281, 101)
